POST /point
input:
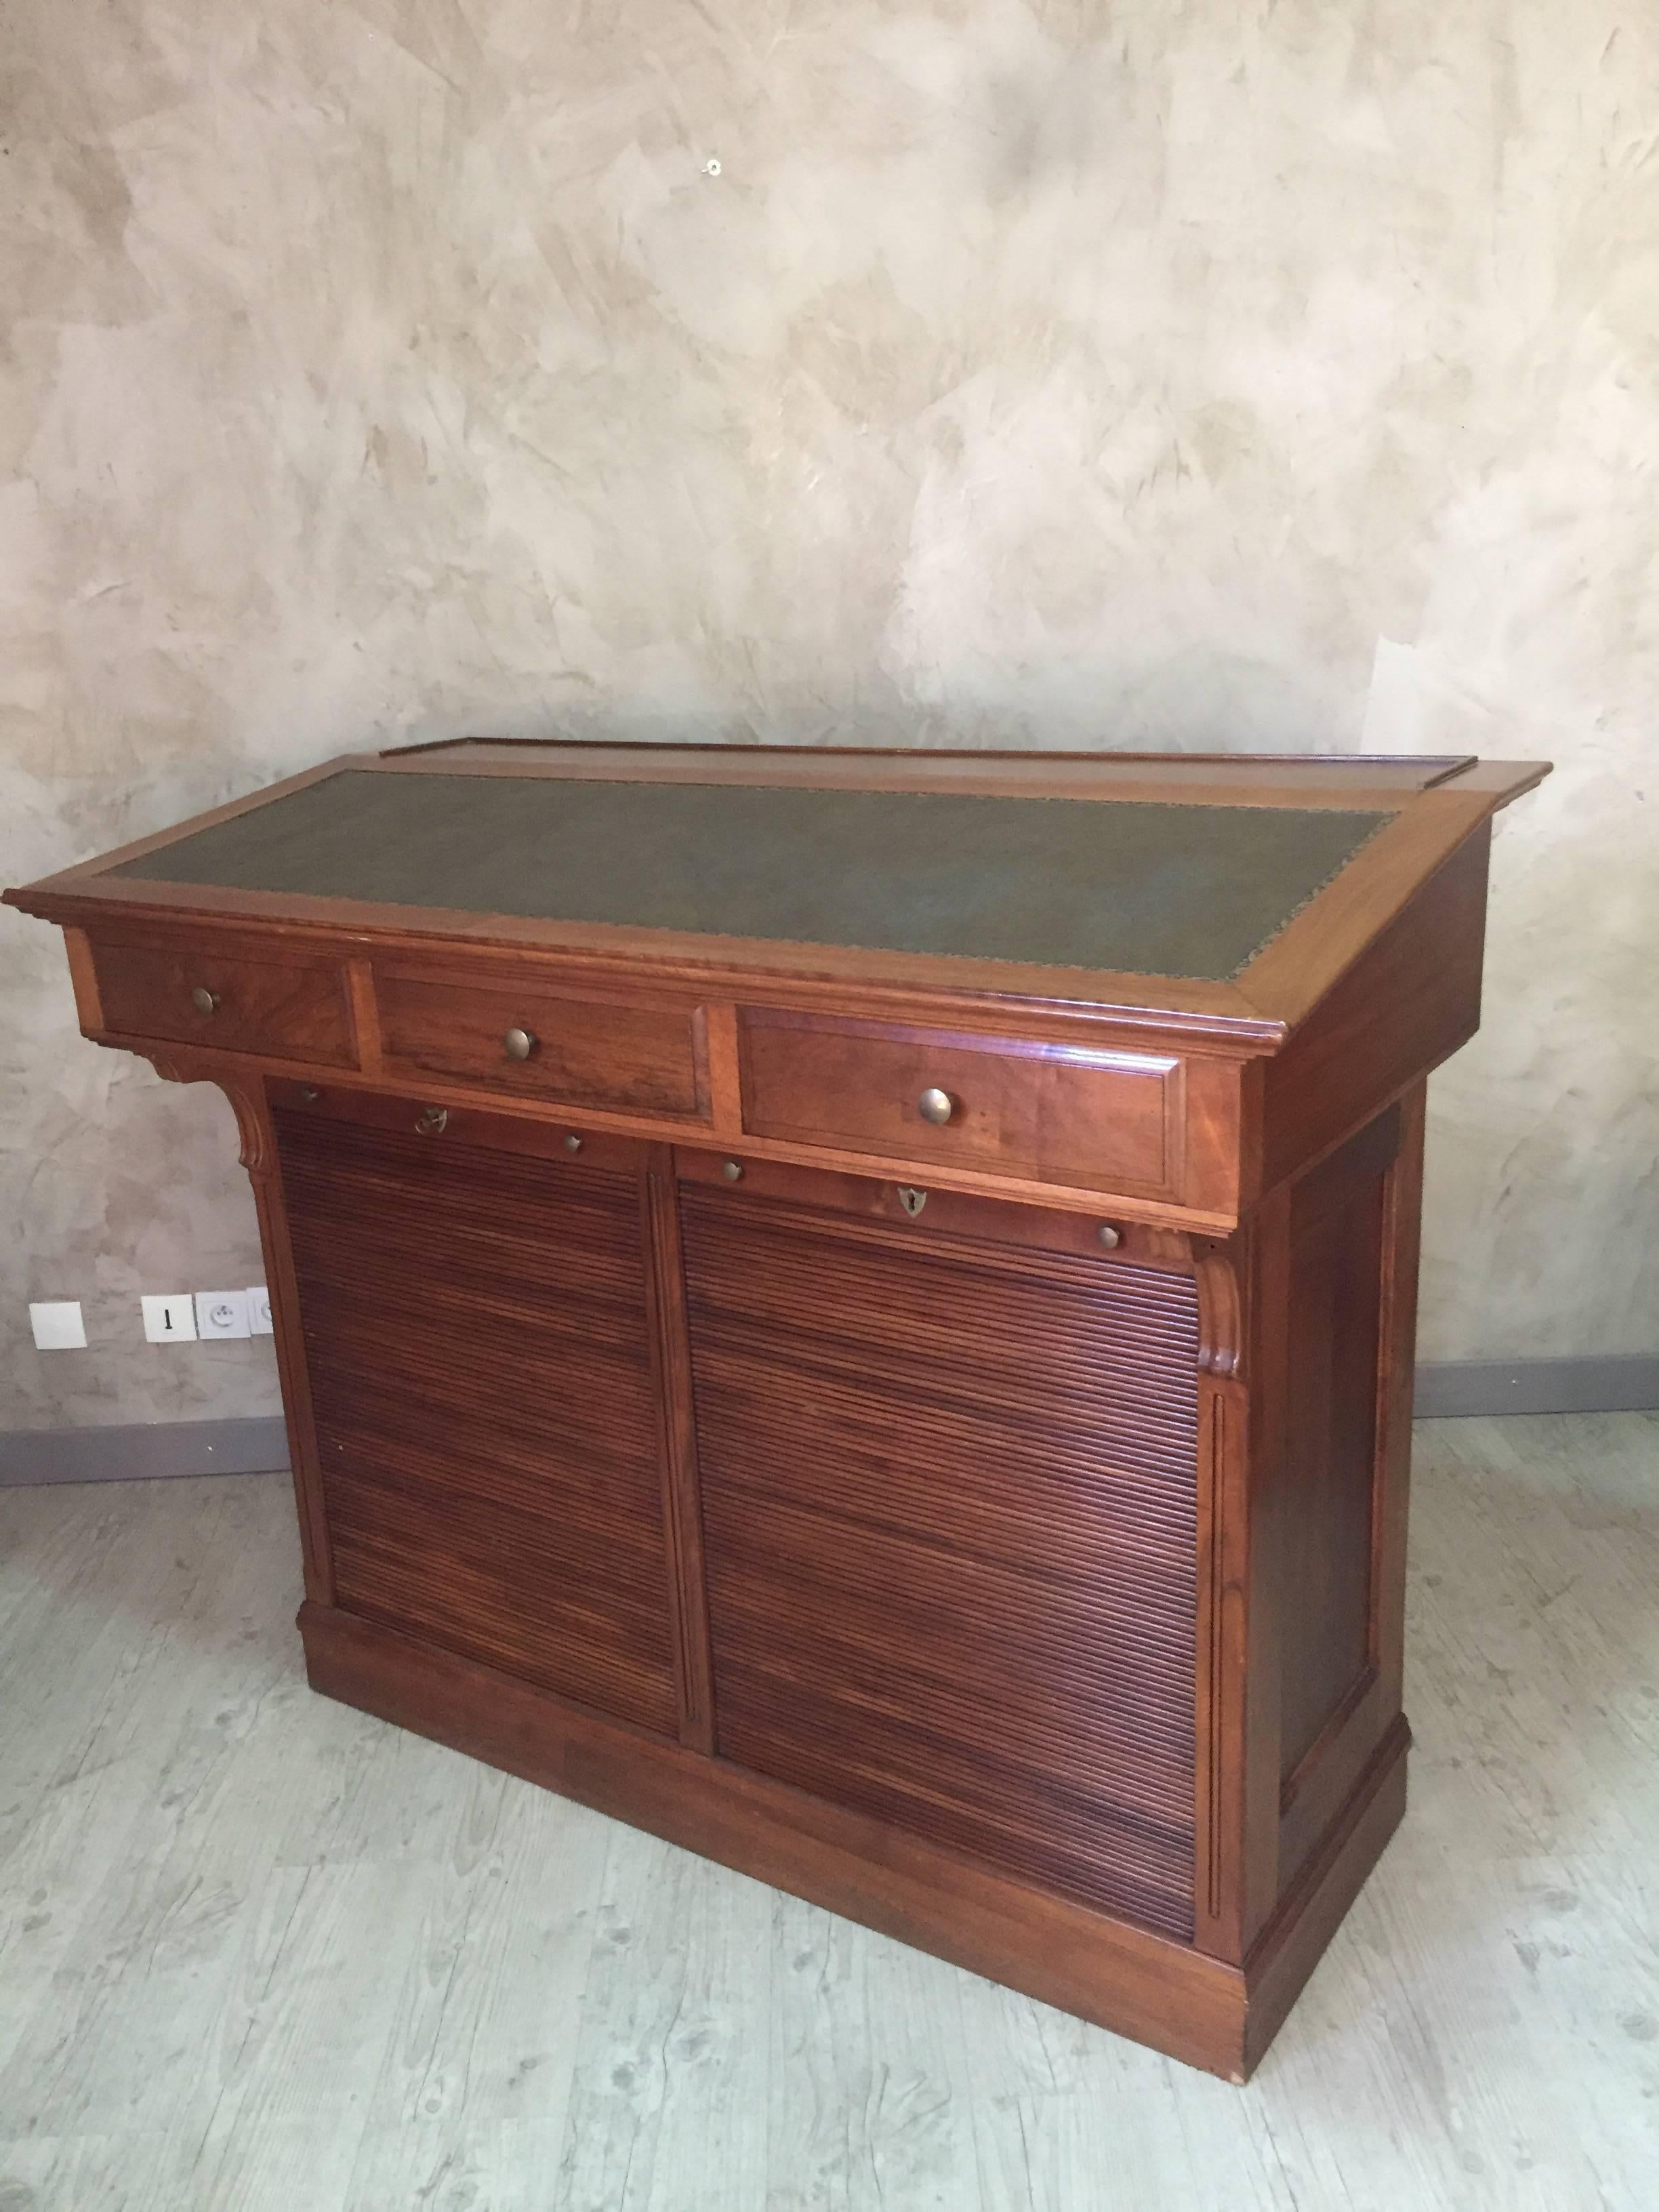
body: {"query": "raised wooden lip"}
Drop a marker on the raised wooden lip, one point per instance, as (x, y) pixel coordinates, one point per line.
(913, 753)
(1276, 990)
(1109, 762)
(1311, 781)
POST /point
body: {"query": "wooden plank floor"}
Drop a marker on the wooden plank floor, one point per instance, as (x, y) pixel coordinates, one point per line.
(257, 1951)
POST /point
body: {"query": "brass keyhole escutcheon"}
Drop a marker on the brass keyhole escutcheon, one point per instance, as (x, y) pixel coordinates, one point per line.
(205, 1002)
(519, 1044)
(432, 1121)
(911, 1199)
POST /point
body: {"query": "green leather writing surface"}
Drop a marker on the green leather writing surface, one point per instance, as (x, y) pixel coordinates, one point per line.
(1154, 890)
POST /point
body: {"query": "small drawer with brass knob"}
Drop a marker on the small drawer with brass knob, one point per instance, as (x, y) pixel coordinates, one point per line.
(282, 1008)
(1056, 1113)
(498, 1035)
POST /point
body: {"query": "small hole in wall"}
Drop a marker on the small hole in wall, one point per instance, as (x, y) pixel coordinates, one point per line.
(711, 169)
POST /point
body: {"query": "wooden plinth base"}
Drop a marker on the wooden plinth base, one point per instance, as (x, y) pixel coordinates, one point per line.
(1179, 2001)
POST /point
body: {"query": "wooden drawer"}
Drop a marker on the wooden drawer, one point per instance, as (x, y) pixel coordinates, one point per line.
(285, 1010)
(1054, 1113)
(638, 1058)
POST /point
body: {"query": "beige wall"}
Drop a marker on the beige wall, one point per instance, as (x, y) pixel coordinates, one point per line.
(1139, 374)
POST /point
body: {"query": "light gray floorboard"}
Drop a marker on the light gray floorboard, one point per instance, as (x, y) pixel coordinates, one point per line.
(260, 1954)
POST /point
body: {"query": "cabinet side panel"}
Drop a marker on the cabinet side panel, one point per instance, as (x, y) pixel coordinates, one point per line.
(1327, 1515)
(476, 1337)
(949, 1502)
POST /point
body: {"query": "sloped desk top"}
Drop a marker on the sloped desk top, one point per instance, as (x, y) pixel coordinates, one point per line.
(1172, 890)
(1236, 887)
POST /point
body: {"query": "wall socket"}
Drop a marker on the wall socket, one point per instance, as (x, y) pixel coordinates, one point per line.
(258, 1312)
(220, 1313)
(170, 1319)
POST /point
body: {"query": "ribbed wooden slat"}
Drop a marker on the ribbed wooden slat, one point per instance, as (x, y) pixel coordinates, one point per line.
(1142, 1380)
(477, 1345)
(849, 1395)
(949, 1502)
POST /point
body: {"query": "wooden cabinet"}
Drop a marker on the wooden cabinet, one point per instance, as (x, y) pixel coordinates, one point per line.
(856, 1310)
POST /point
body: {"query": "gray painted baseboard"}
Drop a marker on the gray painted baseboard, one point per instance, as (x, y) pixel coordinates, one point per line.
(1537, 1386)
(259, 1446)
(247, 1446)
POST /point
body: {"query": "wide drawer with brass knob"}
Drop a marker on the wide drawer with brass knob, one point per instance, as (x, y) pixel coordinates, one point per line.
(1058, 1113)
(285, 1010)
(524, 1040)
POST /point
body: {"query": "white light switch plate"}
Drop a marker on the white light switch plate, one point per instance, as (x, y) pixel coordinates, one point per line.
(258, 1312)
(57, 1325)
(170, 1319)
(220, 1313)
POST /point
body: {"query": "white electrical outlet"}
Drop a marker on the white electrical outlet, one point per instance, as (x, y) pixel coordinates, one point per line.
(222, 1313)
(258, 1310)
(57, 1325)
(170, 1319)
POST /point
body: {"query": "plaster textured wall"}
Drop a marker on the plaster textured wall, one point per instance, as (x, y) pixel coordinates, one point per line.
(1142, 375)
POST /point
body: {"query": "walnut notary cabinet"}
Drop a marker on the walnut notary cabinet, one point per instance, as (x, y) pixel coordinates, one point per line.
(855, 1309)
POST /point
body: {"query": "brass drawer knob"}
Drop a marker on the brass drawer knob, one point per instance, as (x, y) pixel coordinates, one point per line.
(519, 1044)
(936, 1106)
(1111, 1237)
(205, 1002)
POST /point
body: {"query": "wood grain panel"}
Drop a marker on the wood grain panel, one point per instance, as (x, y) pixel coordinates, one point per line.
(478, 1340)
(949, 1507)
(1325, 1523)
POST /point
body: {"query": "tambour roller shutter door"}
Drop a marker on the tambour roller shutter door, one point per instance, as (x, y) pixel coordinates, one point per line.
(949, 1499)
(477, 1342)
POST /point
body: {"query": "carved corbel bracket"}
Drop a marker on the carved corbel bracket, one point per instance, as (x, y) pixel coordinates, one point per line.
(1220, 1309)
(179, 1064)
